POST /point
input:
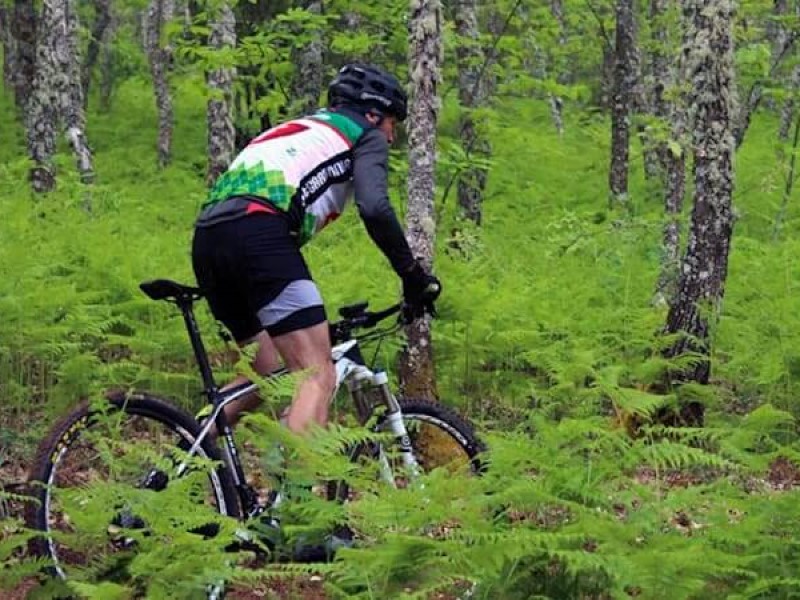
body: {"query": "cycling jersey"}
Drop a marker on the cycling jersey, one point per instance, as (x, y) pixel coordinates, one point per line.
(308, 169)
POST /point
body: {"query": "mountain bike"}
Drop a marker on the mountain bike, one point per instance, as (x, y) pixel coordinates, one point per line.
(137, 441)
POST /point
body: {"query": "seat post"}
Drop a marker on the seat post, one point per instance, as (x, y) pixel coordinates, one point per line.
(200, 354)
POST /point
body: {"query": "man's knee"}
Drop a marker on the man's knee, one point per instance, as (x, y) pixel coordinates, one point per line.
(326, 376)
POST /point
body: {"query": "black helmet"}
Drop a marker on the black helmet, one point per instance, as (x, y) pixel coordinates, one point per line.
(370, 87)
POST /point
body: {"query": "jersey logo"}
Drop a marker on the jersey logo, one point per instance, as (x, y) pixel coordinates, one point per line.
(280, 131)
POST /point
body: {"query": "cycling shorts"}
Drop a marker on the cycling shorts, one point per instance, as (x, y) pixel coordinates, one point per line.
(254, 276)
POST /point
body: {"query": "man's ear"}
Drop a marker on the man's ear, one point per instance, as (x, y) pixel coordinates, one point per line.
(374, 117)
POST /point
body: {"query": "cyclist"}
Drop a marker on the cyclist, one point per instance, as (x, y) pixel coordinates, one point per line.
(285, 186)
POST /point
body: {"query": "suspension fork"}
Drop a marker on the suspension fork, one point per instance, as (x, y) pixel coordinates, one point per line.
(394, 423)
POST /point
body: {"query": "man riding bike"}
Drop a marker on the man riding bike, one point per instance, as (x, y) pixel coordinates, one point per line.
(285, 186)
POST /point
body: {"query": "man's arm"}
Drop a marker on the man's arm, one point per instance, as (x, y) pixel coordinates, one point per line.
(370, 182)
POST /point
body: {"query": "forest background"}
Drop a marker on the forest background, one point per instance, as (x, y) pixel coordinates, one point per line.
(604, 176)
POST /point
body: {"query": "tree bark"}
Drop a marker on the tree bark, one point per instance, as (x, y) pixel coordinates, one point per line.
(425, 57)
(24, 30)
(556, 102)
(674, 192)
(221, 131)
(159, 55)
(72, 99)
(787, 110)
(755, 94)
(621, 108)
(307, 79)
(107, 65)
(655, 152)
(57, 93)
(793, 85)
(674, 165)
(472, 181)
(9, 48)
(102, 20)
(704, 267)
(494, 26)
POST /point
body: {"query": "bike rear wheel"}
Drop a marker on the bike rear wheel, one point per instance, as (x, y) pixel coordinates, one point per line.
(96, 472)
(440, 438)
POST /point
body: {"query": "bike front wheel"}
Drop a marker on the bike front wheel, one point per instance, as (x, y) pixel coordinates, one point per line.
(97, 478)
(439, 436)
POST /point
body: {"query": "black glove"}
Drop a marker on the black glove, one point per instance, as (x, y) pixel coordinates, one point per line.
(420, 289)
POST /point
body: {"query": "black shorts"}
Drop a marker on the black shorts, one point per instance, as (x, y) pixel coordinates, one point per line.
(254, 276)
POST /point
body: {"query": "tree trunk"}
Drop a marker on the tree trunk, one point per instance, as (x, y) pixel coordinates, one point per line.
(793, 85)
(41, 106)
(556, 102)
(425, 56)
(655, 153)
(9, 48)
(673, 157)
(494, 26)
(782, 48)
(107, 65)
(307, 80)
(787, 110)
(776, 30)
(221, 132)
(705, 264)
(624, 82)
(57, 93)
(102, 19)
(72, 99)
(675, 189)
(159, 55)
(24, 30)
(472, 181)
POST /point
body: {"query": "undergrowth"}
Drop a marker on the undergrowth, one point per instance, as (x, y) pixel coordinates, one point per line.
(546, 337)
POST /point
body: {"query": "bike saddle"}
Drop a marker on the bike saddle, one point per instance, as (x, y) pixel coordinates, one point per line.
(165, 289)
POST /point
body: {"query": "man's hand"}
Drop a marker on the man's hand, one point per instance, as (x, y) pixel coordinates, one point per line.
(420, 289)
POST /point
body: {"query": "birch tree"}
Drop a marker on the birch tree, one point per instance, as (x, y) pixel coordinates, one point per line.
(673, 156)
(704, 267)
(102, 20)
(221, 131)
(425, 56)
(159, 55)
(9, 46)
(307, 79)
(657, 81)
(621, 105)
(793, 85)
(556, 102)
(24, 30)
(57, 94)
(471, 95)
(107, 64)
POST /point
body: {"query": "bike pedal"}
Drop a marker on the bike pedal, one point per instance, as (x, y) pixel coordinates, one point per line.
(156, 481)
(325, 550)
(126, 520)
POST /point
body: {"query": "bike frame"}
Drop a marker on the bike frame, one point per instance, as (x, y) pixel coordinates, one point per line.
(351, 372)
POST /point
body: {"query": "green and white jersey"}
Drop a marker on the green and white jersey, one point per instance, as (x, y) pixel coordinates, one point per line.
(303, 167)
(309, 169)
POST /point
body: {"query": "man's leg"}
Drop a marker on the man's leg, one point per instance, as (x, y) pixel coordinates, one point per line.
(309, 350)
(265, 362)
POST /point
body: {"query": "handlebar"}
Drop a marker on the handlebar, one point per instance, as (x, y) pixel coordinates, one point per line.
(357, 317)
